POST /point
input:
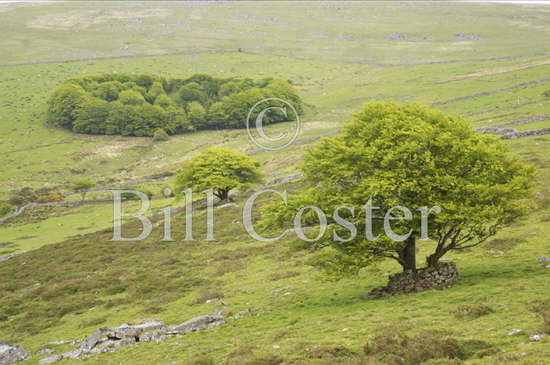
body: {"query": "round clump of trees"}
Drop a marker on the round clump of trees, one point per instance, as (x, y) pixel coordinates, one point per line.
(141, 105)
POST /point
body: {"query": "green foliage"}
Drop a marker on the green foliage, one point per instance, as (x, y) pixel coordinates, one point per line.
(131, 97)
(411, 156)
(160, 135)
(5, 209)
(23, 196)
(133, 196)
(192, 92)
(80, 186)
(220, 169)
(396, 347)
(196, 114)
(542, 308)
(63, 104)
(138, 105)
(473, 311)
(90, 116)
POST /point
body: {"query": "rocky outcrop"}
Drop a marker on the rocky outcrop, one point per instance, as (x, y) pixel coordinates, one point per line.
(10, 354)
(444, 275)
(511, 133)
(497, 130)
(197, 324)
(535, 132)
(109, 339)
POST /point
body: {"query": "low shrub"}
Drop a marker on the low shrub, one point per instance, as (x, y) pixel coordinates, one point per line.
(324, 352)
(473, 311)
(160, 135)
(395, 347)
(279, 275)
(50, 198)
(247, 357)
(92, 322)
(6, 209)
(23, 196)
(207, 294)
(132, 196)
(504, 244)
(542, 308)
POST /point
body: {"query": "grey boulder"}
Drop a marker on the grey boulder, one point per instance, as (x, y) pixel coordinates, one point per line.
(197, 324)
(10, 354)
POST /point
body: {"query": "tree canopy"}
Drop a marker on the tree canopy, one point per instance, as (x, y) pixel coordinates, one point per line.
(139, 105)
(82, 186)
(220, 169)
(410, 156)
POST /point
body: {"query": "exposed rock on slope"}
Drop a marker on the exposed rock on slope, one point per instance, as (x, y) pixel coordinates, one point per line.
(109, 339)
(10, 354)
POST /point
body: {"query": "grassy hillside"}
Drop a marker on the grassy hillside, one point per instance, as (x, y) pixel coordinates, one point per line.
(65, 290)
(489, 62)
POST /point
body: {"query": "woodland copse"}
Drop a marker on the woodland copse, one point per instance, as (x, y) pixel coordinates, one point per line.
(142, 105)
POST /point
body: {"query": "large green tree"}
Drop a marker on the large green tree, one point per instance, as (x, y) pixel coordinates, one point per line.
(220, 169)
(64, 103)
(411, 156)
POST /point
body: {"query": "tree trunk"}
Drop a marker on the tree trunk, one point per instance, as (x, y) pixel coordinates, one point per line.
(433, 259)
(222, 194)
(407, 255)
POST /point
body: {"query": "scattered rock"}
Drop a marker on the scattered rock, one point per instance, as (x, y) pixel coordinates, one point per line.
(197, 324)
(61, 342)
(289, 293)
(547, 266)
(511, 133)
(109, 339)
(396, 37)
(45, 352)
(221, 311)
(537, 337)
(543, 259)
(514, 332)
(10, 354)
(423, 279)
(242, 313)
(74, 354)
(277, 290)
(466, 37)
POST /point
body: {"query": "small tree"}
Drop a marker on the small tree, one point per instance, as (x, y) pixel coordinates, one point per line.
(160, 135)
(131, 97)
(82, 187)
(410, 156)
(63, 104)
(196, 114)
(220, 169)
(192, 92)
